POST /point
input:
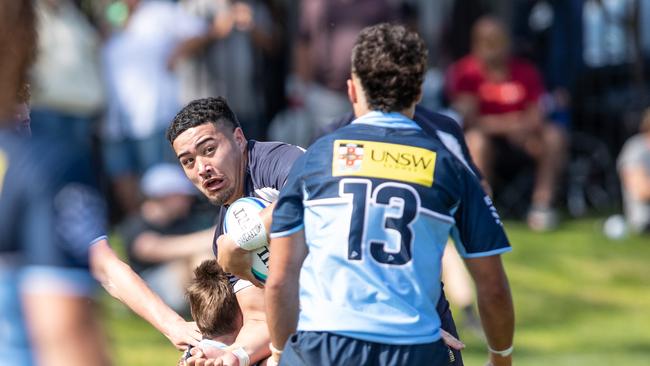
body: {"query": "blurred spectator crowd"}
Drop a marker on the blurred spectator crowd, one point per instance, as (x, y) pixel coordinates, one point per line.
(547, 91)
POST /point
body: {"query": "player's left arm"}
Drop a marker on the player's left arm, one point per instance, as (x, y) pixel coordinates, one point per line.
(480, 240)
(494, 304)
(287, 256)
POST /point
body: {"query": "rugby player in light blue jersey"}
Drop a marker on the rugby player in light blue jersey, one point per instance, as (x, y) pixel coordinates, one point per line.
(359, 229)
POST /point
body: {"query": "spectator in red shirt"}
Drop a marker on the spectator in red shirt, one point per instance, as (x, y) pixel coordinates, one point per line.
(499, 98)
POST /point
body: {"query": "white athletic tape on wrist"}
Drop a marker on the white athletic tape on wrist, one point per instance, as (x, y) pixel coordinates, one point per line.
(505, 353)
(242, 356)
(274, 350)
(276, 354)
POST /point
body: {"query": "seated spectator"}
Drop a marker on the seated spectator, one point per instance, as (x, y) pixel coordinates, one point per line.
(634, 171)
(499, 98)
(215, 310)
(169, 210)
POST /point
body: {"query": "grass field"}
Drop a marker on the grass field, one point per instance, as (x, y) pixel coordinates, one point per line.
(580, 299)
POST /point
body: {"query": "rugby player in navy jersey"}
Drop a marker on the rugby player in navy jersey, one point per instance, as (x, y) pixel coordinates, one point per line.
(224, 166)
(360, 226)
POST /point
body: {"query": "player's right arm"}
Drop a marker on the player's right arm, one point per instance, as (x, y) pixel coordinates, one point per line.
(125, 285)
(287, 257)
(237, 261)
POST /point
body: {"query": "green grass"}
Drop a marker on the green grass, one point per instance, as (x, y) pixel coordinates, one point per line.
(580, 299)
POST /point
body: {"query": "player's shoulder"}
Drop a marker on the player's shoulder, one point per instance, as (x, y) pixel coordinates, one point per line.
(262, 155)
(269, 150)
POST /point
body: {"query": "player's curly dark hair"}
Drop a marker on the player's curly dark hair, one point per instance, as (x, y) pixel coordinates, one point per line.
(390, 61)
(200, 111)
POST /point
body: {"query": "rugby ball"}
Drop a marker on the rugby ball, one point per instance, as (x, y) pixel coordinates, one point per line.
(243, 224)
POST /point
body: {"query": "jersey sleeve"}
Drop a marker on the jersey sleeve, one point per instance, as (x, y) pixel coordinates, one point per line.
(478, 231)
(289, 210)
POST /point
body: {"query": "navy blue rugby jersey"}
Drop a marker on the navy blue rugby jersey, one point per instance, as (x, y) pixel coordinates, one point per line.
(377, 201)
(267, 169)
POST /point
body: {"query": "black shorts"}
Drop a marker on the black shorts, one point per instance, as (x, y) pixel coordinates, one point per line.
(325, 349)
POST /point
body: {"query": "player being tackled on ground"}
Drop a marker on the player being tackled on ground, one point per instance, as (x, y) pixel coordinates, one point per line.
(360, 226)
(215, 310)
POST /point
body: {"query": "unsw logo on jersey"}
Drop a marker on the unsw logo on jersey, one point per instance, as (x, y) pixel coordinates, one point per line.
(383, 160)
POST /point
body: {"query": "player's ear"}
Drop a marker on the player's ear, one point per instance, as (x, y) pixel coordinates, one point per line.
(352, 92)
(240, 139)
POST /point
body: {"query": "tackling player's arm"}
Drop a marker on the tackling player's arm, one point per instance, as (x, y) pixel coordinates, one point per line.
(235, 260)
(495, 305)
(125, 285)
(287, 256)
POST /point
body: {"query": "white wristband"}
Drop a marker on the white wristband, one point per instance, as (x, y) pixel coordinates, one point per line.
(276, 354)
(242, 356)
(505, 353)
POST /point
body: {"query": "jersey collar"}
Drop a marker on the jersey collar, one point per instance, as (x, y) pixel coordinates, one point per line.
(389, 120)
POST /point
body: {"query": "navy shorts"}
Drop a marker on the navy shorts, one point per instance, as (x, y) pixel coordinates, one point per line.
(325, 349)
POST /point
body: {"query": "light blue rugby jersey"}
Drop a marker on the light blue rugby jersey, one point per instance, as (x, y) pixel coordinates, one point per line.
(377, 200)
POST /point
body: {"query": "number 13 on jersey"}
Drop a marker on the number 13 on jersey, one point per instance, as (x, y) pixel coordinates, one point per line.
(381, 220)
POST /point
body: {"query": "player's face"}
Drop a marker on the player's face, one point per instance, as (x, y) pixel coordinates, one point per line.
(213, 159)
